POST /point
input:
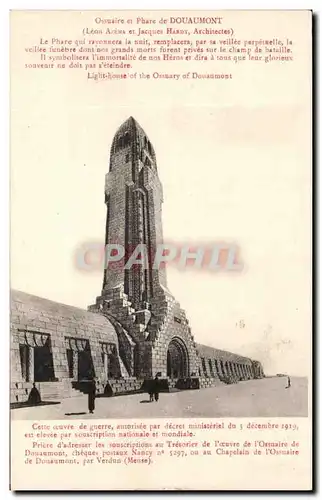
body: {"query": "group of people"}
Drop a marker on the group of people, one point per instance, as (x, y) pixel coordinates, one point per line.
(154, 389)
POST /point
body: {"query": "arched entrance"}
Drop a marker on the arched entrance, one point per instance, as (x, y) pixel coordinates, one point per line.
(177, 359)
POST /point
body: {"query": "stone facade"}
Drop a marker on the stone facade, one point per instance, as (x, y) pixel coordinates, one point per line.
(226, 366)
(136, 329)
(56, 344)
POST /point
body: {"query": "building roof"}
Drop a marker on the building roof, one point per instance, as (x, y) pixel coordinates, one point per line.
(135, 131)
(30, 310)
(130, 125)
(210, 352)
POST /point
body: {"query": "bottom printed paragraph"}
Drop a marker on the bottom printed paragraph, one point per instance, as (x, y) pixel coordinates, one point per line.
(144, 443)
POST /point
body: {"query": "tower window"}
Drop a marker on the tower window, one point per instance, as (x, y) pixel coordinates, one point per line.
(126, 139)
(147, 162)
(120, 142)
(127, 158)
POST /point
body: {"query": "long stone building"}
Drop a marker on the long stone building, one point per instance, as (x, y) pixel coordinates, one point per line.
(136, 328)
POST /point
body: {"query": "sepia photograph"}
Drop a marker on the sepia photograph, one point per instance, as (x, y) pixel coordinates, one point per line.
(136, 340)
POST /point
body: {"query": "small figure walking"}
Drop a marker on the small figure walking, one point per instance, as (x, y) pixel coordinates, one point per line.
(156, 388)
(151, 389)
(288, 383)
(91, 396)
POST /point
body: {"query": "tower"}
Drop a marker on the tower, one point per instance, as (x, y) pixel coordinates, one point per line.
(154, 334)
(133, 197)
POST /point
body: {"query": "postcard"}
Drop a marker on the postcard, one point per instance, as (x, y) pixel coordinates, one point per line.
(161, 250)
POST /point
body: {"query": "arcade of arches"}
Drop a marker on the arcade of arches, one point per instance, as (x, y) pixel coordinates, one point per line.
(226, 370)
(209, 367)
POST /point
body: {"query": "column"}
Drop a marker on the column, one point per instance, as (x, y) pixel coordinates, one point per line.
(24, 350)
(31, 364)
(231, 368)
(219, 370)
(215, 368)
(75, 365)
(105, 364)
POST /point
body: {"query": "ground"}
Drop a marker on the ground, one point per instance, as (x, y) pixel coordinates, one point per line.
(255, 398)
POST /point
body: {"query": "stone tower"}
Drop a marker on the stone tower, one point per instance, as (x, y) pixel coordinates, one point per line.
(133, 197)
(154, 335)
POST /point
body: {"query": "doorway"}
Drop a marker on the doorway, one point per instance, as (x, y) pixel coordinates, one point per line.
(43, 364)
(177, 359)
(85, 365)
